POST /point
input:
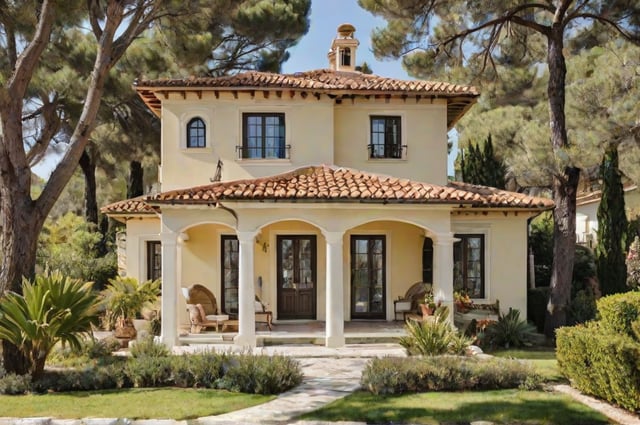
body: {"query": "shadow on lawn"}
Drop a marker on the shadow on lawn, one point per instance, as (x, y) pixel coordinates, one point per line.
(504, 407)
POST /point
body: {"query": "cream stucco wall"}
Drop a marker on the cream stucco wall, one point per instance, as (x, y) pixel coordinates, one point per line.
(505, 256)
(139, 231)
(308, 129)
(318, 132)
(423, 130)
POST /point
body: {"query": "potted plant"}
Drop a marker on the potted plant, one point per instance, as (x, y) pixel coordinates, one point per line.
(124, 299)
(429, 305)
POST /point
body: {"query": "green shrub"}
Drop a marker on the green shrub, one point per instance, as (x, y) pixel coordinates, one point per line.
(148, 347)
(207, 368)
(537, 299)
(392, 375)
(617, 312)
(149, 371)
(601, 363)
(434, 336)
(260, 374)
(509, 331)
(582, 307)
(12, 384)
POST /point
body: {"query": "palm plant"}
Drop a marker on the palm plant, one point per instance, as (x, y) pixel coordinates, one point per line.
(124, 299)
(53, 308)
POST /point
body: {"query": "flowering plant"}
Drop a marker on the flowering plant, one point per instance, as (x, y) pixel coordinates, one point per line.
(633, 264)
(462, 301)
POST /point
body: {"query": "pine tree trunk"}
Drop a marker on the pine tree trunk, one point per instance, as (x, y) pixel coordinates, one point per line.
(21, 225)
(564, 186)
(88, 166)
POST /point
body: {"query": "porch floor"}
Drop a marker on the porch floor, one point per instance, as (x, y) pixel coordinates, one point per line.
(306, 333)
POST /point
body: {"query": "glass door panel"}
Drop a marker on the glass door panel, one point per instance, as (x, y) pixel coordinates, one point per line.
(368, 273)
(296, 277)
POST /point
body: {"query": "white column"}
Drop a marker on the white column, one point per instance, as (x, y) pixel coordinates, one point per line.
(246, 292)
(169, 334)
(443, 268)
(334, 290)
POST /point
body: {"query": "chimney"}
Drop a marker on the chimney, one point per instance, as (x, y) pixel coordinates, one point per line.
(342, 55)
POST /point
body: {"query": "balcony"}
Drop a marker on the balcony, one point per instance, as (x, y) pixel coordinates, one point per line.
(262, 152)
(387, 151)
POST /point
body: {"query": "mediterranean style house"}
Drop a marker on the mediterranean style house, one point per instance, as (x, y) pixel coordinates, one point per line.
(324, 192)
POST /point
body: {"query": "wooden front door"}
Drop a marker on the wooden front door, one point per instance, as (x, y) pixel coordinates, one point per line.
(368, 276)
(296, 277)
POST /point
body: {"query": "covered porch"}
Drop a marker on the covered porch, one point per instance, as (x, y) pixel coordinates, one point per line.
(330, 276)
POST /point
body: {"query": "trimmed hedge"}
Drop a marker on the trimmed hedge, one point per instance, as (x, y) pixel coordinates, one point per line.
(601, 363)
(393, 375)
(619, 311)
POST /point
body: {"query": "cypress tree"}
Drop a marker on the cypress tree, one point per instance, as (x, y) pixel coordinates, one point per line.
(612, 227)
(481, 166)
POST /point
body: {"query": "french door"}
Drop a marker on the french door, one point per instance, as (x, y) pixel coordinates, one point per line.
(229, 269)
(296, 276)
(368, 275)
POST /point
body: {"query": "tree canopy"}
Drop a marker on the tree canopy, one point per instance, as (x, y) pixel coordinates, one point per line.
(450, 35)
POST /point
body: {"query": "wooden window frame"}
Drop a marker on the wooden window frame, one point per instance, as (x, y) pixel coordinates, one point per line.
(154, 272)
(196, 124)
(369, 315)
(462, 246)
(282, 148)
(223, 297)
(392, 147)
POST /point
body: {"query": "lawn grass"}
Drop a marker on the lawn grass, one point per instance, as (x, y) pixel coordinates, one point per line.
(139, 403)
(543, 359)
(502, 407)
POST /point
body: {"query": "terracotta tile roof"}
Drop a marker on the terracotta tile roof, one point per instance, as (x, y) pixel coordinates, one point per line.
(321, 81)
(133, 206)
(334, 184)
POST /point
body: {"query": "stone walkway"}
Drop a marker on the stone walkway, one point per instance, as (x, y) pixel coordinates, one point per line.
(329, 374)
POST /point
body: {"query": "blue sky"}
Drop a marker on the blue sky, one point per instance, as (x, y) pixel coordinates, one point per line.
(326, 15)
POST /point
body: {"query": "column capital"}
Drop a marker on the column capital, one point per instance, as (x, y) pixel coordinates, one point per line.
(333, 237)
(247, 236)
(168, 238)
(444, 238)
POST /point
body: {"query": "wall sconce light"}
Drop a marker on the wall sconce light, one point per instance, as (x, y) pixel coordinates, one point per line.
(263, 245)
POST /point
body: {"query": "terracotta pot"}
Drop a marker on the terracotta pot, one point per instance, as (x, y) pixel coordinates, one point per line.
(426, 310)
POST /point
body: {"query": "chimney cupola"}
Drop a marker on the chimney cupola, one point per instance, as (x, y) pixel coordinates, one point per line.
(342, 55)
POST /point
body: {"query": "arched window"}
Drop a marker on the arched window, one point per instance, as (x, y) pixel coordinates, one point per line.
(196, 134)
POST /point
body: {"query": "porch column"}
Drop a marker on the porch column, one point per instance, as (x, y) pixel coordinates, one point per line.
(169, 334)
(246, 292)
(443, 268)
(335, 295)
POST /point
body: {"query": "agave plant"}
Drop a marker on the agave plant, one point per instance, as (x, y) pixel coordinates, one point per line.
(53, 308)
(510, 331)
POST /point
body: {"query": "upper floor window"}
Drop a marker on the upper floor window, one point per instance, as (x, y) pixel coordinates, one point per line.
(196, 133)
(468, 265)
(386, 137)
(263, 136)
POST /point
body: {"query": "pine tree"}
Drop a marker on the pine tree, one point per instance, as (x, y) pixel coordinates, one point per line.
(612, 227)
